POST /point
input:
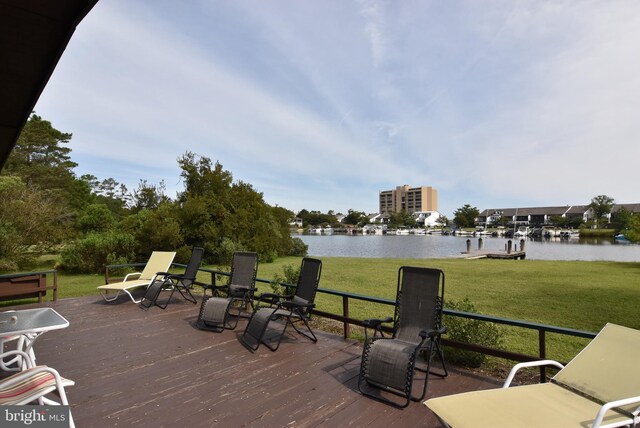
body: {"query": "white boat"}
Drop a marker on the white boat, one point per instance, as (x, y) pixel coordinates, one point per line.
(402, 232)
(522, 232)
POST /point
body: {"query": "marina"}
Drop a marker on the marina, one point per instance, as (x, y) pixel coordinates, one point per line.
(443, 246)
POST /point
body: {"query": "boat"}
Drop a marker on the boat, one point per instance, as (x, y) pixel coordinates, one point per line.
(522, 232)
(621, 239)
(402, 231)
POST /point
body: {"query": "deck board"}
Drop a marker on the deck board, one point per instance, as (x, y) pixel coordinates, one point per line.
(153, 368)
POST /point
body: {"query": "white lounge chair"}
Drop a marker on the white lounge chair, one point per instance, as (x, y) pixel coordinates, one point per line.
(160, 261)
(33, 384)
(599, 388)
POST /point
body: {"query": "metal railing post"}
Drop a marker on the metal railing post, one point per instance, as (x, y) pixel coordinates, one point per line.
(542, 350)
(345, 314)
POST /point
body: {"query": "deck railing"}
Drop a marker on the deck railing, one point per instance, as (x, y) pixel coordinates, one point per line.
(347, 321)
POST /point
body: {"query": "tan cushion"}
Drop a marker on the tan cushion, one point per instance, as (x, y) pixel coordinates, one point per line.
(607, 368)
(542, 405)
(160, 261)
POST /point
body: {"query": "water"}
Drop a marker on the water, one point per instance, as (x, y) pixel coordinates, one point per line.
(438, 246)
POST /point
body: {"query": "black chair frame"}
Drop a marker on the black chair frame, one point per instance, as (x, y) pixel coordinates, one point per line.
(292, 308)
(427, 342)
(180, 282)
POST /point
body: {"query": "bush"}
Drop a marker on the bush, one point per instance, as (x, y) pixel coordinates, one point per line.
(290, 276)
(224, 252)
(92, 253)
(298, 248)
(469, 331)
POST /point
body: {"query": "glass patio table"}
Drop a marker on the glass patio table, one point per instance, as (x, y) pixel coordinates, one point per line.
(26, 326)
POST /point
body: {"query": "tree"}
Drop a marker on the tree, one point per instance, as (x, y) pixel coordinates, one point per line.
(601, 205)
(149, 196)
(465, 216)
(96, 218)
(30, 223)
(633, 232)
(403, 218)
(40, 158)
(356, 218)
(443, 221)
(224, 215)
(622, 219)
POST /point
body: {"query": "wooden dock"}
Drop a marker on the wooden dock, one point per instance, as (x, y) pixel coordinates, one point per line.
(137, 368)
(491, 254)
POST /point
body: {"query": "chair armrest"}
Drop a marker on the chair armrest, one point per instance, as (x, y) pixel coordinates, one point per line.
(171, 275)
(432, 333)
(272, 297)
(292, 305)
(375, 322)
(519, 366)
(612, 404)
(24, 355)
(126, 278)
(376, 325)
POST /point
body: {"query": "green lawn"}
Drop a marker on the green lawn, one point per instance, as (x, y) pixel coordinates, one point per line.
(573, 294)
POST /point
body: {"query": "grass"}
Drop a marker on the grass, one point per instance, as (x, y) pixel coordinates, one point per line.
(573, 294)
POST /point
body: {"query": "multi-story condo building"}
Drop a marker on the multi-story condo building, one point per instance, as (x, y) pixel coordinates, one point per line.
(411, 199)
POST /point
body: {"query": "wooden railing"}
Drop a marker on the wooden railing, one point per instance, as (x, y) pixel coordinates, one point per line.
(27, 285)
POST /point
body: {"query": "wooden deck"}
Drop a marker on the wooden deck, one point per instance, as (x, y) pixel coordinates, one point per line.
(154, 368)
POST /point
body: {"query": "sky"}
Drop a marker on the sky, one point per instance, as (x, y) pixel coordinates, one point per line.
(320, 105)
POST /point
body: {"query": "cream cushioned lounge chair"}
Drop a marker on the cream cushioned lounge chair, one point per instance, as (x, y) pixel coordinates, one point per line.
(599, 388)
(160, 261)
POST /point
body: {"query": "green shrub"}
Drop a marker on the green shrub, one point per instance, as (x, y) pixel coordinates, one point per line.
(469, 331)
(268, 257)
(224, 252)
(298, 248)
(290, 276)
(91, 253)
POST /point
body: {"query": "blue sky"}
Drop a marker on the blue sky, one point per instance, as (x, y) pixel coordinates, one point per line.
(322, 104)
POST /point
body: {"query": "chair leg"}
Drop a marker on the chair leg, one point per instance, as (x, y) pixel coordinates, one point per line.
(155, 300)
(434, 349)
(309, 335)
(187, 294)
(279, 336)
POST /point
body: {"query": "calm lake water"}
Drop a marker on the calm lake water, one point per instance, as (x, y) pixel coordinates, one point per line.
(438, 246)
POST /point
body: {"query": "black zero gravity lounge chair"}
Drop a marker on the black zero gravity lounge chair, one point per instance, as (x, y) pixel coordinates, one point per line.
(222, 309)
(389, 364)
(290, 309)
(173, 282)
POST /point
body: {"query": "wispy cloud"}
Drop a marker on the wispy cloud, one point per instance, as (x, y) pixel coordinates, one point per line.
(322, 104)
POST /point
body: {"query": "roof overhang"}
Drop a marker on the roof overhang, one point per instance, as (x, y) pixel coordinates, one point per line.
(33, 36)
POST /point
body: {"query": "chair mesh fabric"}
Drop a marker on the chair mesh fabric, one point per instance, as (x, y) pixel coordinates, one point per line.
(259, 320)
(418, 303)
(243, 272)
(390, 362)
(214, 310)
(191, 271)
